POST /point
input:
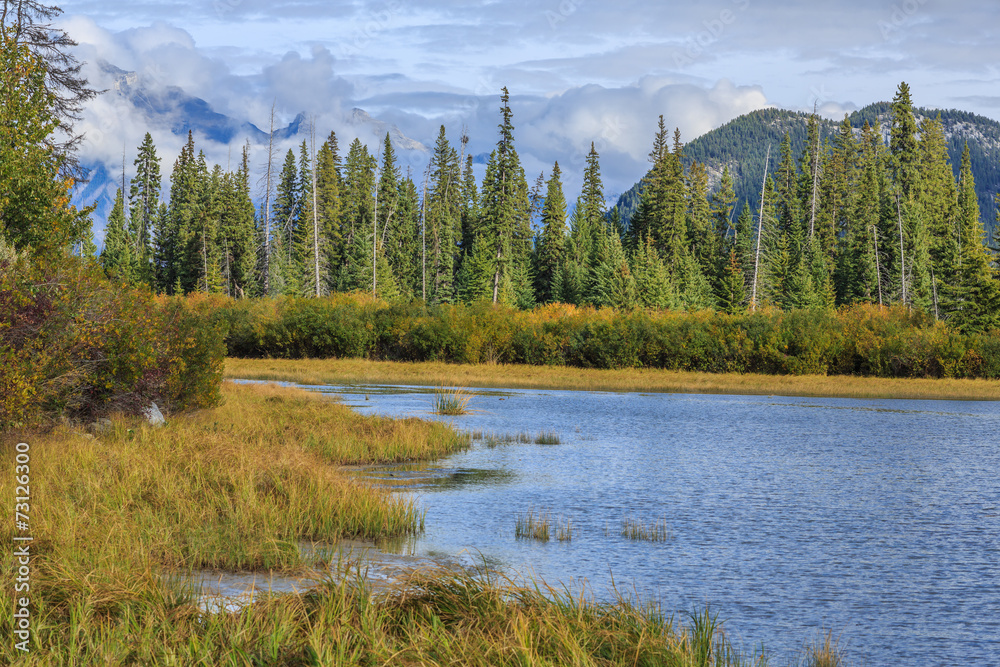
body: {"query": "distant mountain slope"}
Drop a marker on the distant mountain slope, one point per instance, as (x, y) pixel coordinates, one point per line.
(742, 145)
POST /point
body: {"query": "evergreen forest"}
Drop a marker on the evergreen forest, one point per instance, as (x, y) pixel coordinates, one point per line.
(872, 215)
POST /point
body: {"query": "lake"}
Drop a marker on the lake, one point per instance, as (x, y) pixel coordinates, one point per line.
(878, 520)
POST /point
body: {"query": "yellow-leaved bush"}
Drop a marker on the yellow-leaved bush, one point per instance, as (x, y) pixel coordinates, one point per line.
(853, 340)
(73, 344)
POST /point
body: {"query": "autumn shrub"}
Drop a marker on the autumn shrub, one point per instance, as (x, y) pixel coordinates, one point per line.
(74, 344)
(853, 340)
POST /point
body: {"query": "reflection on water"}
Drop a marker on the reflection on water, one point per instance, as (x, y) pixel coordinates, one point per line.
(875, 519)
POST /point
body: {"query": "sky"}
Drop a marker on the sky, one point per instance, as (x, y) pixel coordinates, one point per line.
(578, 71)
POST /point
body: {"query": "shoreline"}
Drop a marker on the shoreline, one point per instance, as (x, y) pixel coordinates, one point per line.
(431, 373)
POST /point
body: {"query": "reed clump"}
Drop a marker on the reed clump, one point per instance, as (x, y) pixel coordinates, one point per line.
(651, 531)
(532, 526)
(523, 437)
(451, 401)
(564, 531)
(547, 438)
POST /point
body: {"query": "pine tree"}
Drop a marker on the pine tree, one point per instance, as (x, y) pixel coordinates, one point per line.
(180, 256)
(328, 200)
(443, 219)
(551, 245)
(903, 143)
(118, 256)
(237, 228)
(976, 296)
(653, 288)
(144, 198)
(358, 206)
(732, 292)
(504, 232)
(35, 213)
(611, 282)
(284, 266)
(662, 212)
(706, 242)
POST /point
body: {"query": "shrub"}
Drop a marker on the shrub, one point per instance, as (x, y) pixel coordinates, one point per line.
(74, 344)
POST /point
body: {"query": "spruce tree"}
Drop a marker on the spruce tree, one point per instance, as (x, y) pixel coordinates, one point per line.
(328, 200)
(653, 288)
(975, 303)
(504, 233)
(284, 270)
(144, 200)
(118, 256)
(443, 220)
(551, 245)
(903, 143)
(358, 206)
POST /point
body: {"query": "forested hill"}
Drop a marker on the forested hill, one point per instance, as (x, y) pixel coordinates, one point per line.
(742, 144)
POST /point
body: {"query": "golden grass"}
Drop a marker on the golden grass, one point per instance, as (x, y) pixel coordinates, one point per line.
(362, 371)
(235, 487)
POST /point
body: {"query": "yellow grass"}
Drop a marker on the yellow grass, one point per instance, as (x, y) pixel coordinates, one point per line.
(361, 371)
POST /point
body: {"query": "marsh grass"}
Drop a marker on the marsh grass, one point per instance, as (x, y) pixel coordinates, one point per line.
(241, 486)
(462, 619)
(564, 530)
(363, 371)
(532, 526)
(451, 401)
(825, 652)
(653, 531)
(491, 439)
(547, 438)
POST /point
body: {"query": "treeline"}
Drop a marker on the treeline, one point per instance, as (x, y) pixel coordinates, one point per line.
(851, 221)
(853, 340)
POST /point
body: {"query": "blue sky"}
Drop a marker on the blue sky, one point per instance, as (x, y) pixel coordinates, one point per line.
(578, 70)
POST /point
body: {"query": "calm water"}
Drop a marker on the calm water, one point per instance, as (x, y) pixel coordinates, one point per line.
(877, 520)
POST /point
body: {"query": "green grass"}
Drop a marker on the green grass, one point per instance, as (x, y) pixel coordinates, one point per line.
(451, 401)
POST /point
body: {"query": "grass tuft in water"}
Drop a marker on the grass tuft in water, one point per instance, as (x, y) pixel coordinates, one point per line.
(531, 526)
(522, 437)
(451, 401)
(825, 652)
(654, 531)
(564, 531)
